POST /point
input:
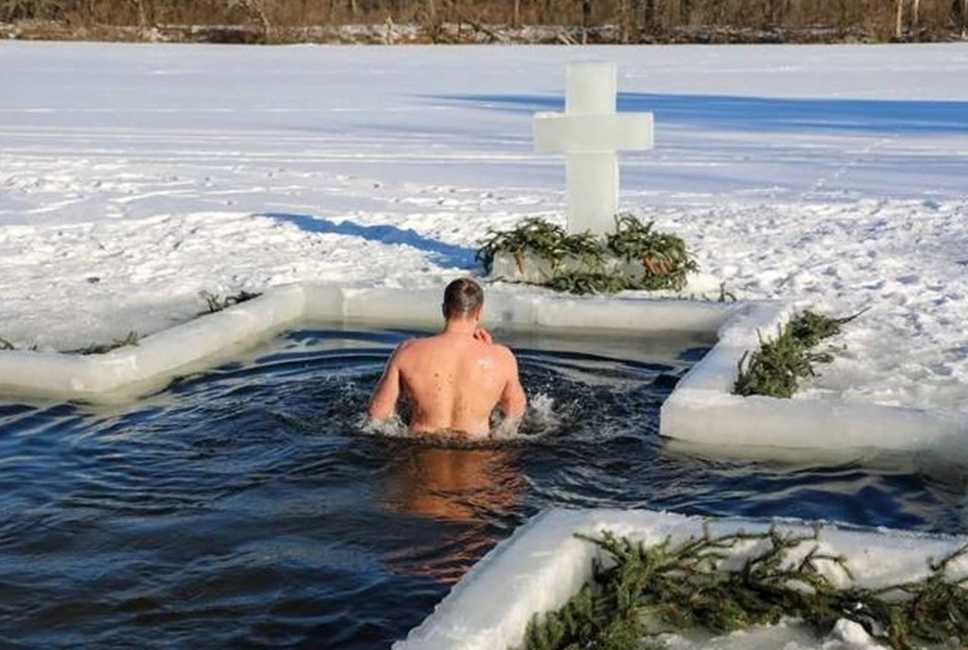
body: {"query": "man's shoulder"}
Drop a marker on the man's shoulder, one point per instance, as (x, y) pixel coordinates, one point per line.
(406, 348)
(501, 352)
(500, 348)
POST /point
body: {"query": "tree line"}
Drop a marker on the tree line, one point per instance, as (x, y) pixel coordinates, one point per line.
(629, 20)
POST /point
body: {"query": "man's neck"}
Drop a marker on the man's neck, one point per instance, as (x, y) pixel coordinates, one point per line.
(460, 326)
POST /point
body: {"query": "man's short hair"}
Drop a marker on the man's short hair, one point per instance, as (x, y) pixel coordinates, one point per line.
(462, 297)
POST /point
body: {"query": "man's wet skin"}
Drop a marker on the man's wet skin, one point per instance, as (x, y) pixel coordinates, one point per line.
(456, 378)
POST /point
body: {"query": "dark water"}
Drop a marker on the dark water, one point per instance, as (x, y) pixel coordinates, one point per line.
(245, 507)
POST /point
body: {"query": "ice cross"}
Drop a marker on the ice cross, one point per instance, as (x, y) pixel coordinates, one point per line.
(590, 133)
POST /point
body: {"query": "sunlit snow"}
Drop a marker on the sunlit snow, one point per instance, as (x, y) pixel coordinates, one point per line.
(133, 176)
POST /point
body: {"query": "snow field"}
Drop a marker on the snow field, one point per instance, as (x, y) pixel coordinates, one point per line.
(134, 176)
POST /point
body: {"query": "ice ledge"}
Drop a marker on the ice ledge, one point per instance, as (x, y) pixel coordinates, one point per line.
(700, 410)
(530, 268)
(542, 564)
(703, 409)
(134, 371)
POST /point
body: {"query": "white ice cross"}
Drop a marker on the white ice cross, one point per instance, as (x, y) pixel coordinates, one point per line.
(590, 133)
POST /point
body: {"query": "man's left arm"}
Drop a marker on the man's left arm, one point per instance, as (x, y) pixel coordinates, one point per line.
(514, 401)
(383, 404)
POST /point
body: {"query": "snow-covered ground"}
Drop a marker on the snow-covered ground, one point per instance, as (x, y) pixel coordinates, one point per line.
(133, 176)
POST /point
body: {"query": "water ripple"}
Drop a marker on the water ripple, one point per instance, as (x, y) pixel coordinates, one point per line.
(245, 506)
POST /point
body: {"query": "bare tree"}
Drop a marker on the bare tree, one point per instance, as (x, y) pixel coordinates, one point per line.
(259, 9)
(638, 19)
(623, 20)
(776, 11)
(146, 13)
(432, 20)
(388, 34)
(651, 12)
(29, 9)
(898, 19)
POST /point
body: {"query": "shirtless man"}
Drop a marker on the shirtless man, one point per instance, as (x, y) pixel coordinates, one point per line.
(456, 378)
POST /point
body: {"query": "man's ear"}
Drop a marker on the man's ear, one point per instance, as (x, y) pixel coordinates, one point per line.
(478, 313)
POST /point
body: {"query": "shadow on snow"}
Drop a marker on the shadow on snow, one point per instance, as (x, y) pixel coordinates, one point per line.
(763, 113)
(447, 255)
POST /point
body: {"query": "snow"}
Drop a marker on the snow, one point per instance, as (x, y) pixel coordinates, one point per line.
(134, 176)
(703, 409)
(788, 635)
(542, 564)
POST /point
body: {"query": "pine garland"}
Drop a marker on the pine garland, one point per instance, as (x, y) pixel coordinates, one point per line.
(642, 592)
(664, 258)
(777, 367)
(103, 348)
(215, 303)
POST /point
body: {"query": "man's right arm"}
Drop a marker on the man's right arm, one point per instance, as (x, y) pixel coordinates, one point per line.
(383, 404)
(513, 399)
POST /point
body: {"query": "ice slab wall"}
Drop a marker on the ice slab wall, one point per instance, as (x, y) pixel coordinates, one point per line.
(542, 565)
(700, 410)
(532, 269)
(132, 371)
(703, 409)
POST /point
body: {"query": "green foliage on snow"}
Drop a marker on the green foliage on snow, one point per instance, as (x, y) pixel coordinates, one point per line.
(132, 338)
(777, 367)
(641, 592)
(664, 259)
(215, 303)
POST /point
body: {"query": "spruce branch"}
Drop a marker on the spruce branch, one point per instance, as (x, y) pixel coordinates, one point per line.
(665, 261)
(640, 592)
(777, 366)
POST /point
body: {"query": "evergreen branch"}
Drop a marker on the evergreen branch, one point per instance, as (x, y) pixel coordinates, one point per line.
(664, 259)
(777, 367)
(216, 303)
(643, 592)
(102, 348)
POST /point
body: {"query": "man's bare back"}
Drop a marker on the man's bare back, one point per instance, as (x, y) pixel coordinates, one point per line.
(454, 379)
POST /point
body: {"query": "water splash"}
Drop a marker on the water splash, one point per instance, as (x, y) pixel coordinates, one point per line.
(540, 419)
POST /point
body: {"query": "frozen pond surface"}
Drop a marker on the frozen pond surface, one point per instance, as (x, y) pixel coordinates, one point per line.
(245, 506)
(134, 176)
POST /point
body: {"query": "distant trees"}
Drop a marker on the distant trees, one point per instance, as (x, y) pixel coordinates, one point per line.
(258, 9)
(145, 9)
(635, 20)
(11, 10)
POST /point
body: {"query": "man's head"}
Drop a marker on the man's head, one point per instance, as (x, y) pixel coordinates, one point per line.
(463, 299)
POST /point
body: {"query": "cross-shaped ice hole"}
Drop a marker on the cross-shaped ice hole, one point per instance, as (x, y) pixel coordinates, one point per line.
(590, 133)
